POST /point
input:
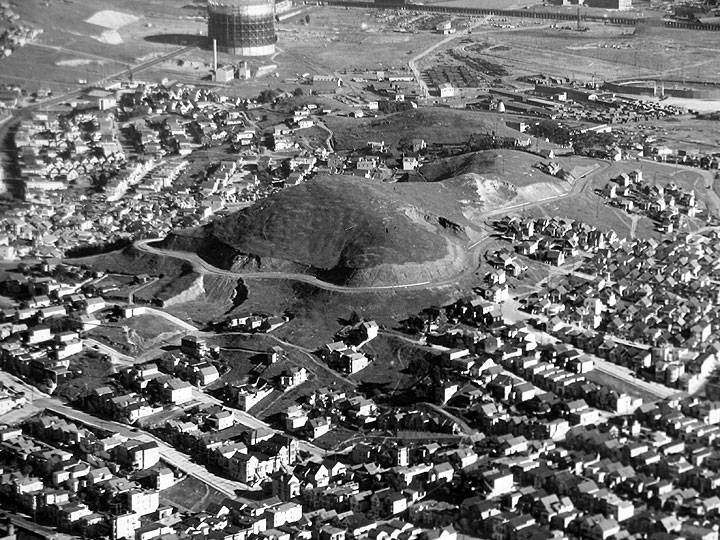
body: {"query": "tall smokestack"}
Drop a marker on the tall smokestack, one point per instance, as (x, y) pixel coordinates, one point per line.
(214, 54)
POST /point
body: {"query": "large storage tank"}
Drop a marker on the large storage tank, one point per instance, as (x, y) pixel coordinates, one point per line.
(243, 27)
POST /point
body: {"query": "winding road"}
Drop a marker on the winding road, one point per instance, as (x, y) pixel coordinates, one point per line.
(203, 267)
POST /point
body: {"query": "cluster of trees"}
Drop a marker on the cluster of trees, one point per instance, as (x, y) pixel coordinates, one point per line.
(591, 143)
(553, 131)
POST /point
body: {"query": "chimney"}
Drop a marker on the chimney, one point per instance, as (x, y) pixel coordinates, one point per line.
(214, 54)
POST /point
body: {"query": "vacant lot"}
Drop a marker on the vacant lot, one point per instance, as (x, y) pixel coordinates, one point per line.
(136, 335)
(394, 375)
(191, 495)
(335, 439)
(171, 289)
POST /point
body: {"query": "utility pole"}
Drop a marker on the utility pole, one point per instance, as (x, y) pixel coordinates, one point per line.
(579, 20)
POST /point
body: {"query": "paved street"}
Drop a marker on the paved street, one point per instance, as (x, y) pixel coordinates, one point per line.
(168, 454)
(511, 311)
(40, 400)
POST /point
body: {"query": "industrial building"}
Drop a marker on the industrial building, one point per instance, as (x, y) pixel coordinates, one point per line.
(243, 27)
(224, 74)
(602, 4)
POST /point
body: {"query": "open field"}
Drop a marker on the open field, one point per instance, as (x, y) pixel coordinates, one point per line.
(603, 52)
(683, 133)
(175, 277)
(34, 67)
(251, 296)
(72, 48)
(335, 35)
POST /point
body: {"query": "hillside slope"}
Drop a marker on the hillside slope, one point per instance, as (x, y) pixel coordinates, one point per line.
(346, 231)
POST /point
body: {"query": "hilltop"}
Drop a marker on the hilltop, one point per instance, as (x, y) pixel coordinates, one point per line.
(346, 231)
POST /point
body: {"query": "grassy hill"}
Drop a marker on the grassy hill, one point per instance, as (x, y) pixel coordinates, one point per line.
(347, 231)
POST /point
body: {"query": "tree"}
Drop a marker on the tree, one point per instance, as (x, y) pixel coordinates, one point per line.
(298, 92)
(307, 18)
(267, 96)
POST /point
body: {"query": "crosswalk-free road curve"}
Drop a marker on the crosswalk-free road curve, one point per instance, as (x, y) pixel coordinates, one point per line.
(202, 266)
